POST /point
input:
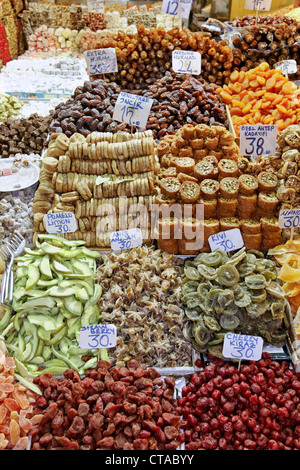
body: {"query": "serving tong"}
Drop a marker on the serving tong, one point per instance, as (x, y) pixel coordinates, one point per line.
(13, 248)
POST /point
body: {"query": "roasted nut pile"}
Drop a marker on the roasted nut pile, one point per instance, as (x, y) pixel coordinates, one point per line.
(265, 39)
(183, 99)
(24, 135)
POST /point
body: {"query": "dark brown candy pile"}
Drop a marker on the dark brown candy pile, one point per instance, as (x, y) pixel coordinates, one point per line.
(90, 109)
(265, 39)
(24, 135)
(181, 99)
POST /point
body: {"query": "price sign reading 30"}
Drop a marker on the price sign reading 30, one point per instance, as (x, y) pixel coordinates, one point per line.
(229, 240)
(98, 336)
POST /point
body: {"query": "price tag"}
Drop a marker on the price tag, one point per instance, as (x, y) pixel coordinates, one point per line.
(186, 62)
(97, 336)
(60, 222)
(180, 8)
(287, 66)
(95, 6)
(229, 240)
(289, 218)
(132, 109)
(101, 61)
(236, 346)
(257, 140)
(126, 239)
(261, 5)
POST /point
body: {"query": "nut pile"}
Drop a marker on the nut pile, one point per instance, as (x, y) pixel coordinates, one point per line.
(24, 135)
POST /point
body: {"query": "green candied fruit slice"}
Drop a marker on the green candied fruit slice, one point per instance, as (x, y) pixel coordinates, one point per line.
(258, 295)
(201, 335)
(225, 298)
(242, 297)
(238, 256)
(211, 299)
(230, 310)
(256, 281)
(278, 309)
(193, 314)
(191, 300)
(203, 289)
(189, 287)
(214, 258)
(211, 323)
(216, 351)
(262, 265)
(256, 309)
(192, 273)
(197, 347)
(208, 272)
(278, 338)
(227, 275)
(229, 322)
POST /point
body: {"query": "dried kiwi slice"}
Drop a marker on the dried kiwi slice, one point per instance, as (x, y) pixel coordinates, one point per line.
(193, 314)
(192, 273)
(278, 309)
(242, 297)
(216, 351)
(227, 275)
(203, 289)
(211, 323)
(256, 309)
(189, 287)
(197, 346)
(201, 335)
(230, 310)
(229, 322)
(258, 295)
(214, 258)
(225, 298)
(208, 272)
(191, 300)
(256, 281)
(211, 299)
(278, 338)
(245, 268)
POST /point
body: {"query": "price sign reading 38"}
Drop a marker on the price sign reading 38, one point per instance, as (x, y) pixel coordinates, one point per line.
(97, 336)
(257, 140)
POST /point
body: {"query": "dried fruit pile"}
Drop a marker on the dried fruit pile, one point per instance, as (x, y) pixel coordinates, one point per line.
(261, 96)
(111, 408)
(255, 407)
(233, 293)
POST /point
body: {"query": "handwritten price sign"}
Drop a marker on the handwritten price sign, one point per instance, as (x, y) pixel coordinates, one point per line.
(229, 240)
(101, 61)
(126, 239)
(95, 6)
(186, 62)
(60, 222)
(257, 140)
(236, 346)
(261, 5)
(97, 336)
(287, 66)
(132, 109)
(181, 8)
(289, 218)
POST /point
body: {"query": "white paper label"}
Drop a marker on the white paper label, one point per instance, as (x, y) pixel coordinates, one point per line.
(287, 66)
(95, 6)
(186, 62)
(101, 61)
(179, 8)
(97, 336)
(289, 218)
(229, 240)
(257, 140)
(236, 346)
(126, 239)
(132, 109)
(261, 5)
(60, 222)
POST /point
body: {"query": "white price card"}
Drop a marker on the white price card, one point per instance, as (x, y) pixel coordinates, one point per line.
(260, 5)
(181, 8)
(229, 240)
(60, 222)
(101, 61)
(287, 66)
(257, 140)
(186, 62)
(237, 346)
(126, 239)
(95, 6)
(289, 218)
(133, 109)
(97, 336)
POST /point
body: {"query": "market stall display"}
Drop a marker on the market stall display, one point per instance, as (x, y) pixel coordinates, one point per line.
(155, 302)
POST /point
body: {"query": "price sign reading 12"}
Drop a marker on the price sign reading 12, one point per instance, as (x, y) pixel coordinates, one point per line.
(97, 336)
(179, 8)
(132, 109)
(257, 140)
